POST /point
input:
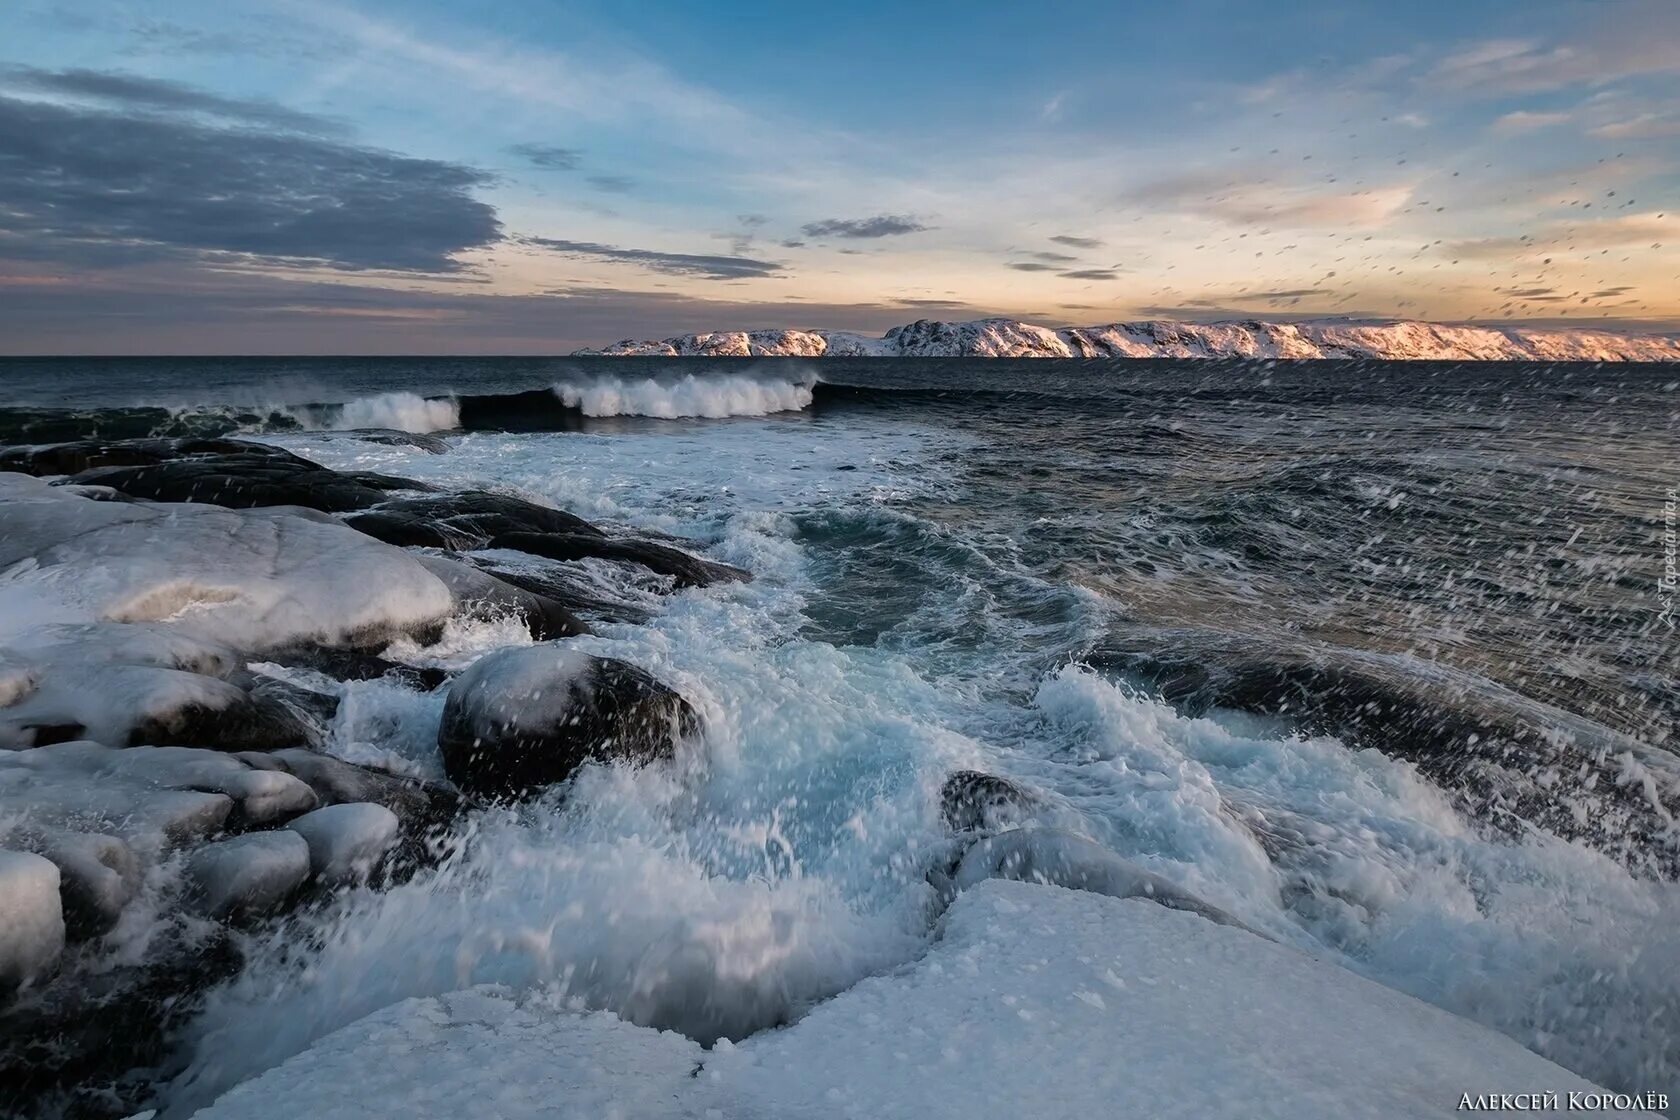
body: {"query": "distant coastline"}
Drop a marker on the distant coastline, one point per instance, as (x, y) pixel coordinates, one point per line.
(1010, 338)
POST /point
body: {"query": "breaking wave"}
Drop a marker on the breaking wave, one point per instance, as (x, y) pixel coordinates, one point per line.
(712, 397)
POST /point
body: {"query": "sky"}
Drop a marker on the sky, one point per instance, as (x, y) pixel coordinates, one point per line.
(531, 176)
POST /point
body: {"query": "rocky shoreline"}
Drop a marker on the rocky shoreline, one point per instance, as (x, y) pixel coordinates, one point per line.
(179, 618)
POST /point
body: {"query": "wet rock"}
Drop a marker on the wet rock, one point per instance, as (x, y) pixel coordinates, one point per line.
(31, 918)
(1063, 859)
(684, 568)
(346, 842)
(99, 876)
(582, 591)
(250, 875)
(336, 782)
(351, 664)
(395, 437)
(479, 592)
(77, 456)
(245, 482)
(519, 720)
(1500, 752)
(971, 801)
(463, 520)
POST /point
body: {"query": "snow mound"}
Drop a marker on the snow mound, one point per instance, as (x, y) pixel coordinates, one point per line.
(1036, 1001)
(1009, 338)
(252, 578)
(345, 841)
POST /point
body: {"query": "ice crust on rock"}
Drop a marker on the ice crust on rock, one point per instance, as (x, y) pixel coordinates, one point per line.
(346, 841)
(1034, 1001)
(252, 579)
(31, 918)
(248, 875)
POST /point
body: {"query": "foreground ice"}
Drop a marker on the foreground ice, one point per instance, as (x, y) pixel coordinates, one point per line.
(1036, 1001)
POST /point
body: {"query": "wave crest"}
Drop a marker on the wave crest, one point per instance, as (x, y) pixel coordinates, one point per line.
(687, 396)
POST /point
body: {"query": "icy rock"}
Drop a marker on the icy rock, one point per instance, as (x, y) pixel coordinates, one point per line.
(151, 797)
(685, 569)
(31, 918)
(1035, 1002)
(453, 1056)
(249, 875)
(524, 718)
(99, 876)
(131, 683)
(347, 841)
(337, 782)
(971, 801)
(1062, 859)
(251, 579)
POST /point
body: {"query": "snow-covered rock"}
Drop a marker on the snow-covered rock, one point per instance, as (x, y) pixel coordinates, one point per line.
(1009, 338)
(252, 579)
(523, 718)
(1035, 1001)
(153, 798)
(249, 875)
(347, 841)
(31, 918)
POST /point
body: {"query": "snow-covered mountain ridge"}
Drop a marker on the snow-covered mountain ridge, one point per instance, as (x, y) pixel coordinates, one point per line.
(1009, 338)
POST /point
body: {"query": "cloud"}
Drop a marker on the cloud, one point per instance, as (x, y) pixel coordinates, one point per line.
(1521, 121)
(547, 156)
(1077, 242)
(1645, 126)
(1638, 38)
(1053, 257)
(83, 182)
(1651, 228)
(612, 184)
(135, 93)
(1030, 266)
(1089, 274)
(882, 225)
(672, 264)
(1231, 199)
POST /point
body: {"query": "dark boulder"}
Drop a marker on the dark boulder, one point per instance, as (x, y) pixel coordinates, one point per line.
(971, 801)
(463, 520)
(686, 569)
(87, 454)
(244, 481)
(519, 720)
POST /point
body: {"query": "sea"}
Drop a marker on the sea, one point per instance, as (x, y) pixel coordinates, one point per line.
(1229, 619)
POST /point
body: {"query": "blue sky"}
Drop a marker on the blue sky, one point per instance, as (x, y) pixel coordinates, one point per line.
(293, 175)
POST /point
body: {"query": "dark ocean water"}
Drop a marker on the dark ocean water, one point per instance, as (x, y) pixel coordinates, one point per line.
(1371, 654)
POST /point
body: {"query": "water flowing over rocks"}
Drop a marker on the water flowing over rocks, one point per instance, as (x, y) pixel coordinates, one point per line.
(520, 720)
(1501, 752)
(169, 609)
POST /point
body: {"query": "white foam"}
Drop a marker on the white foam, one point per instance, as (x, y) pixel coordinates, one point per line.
(786, 861)
(714, 396)
(406, 412)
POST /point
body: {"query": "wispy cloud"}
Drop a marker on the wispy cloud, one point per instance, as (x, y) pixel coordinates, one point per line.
(548, 156)
(881, 225)
(701, 265)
